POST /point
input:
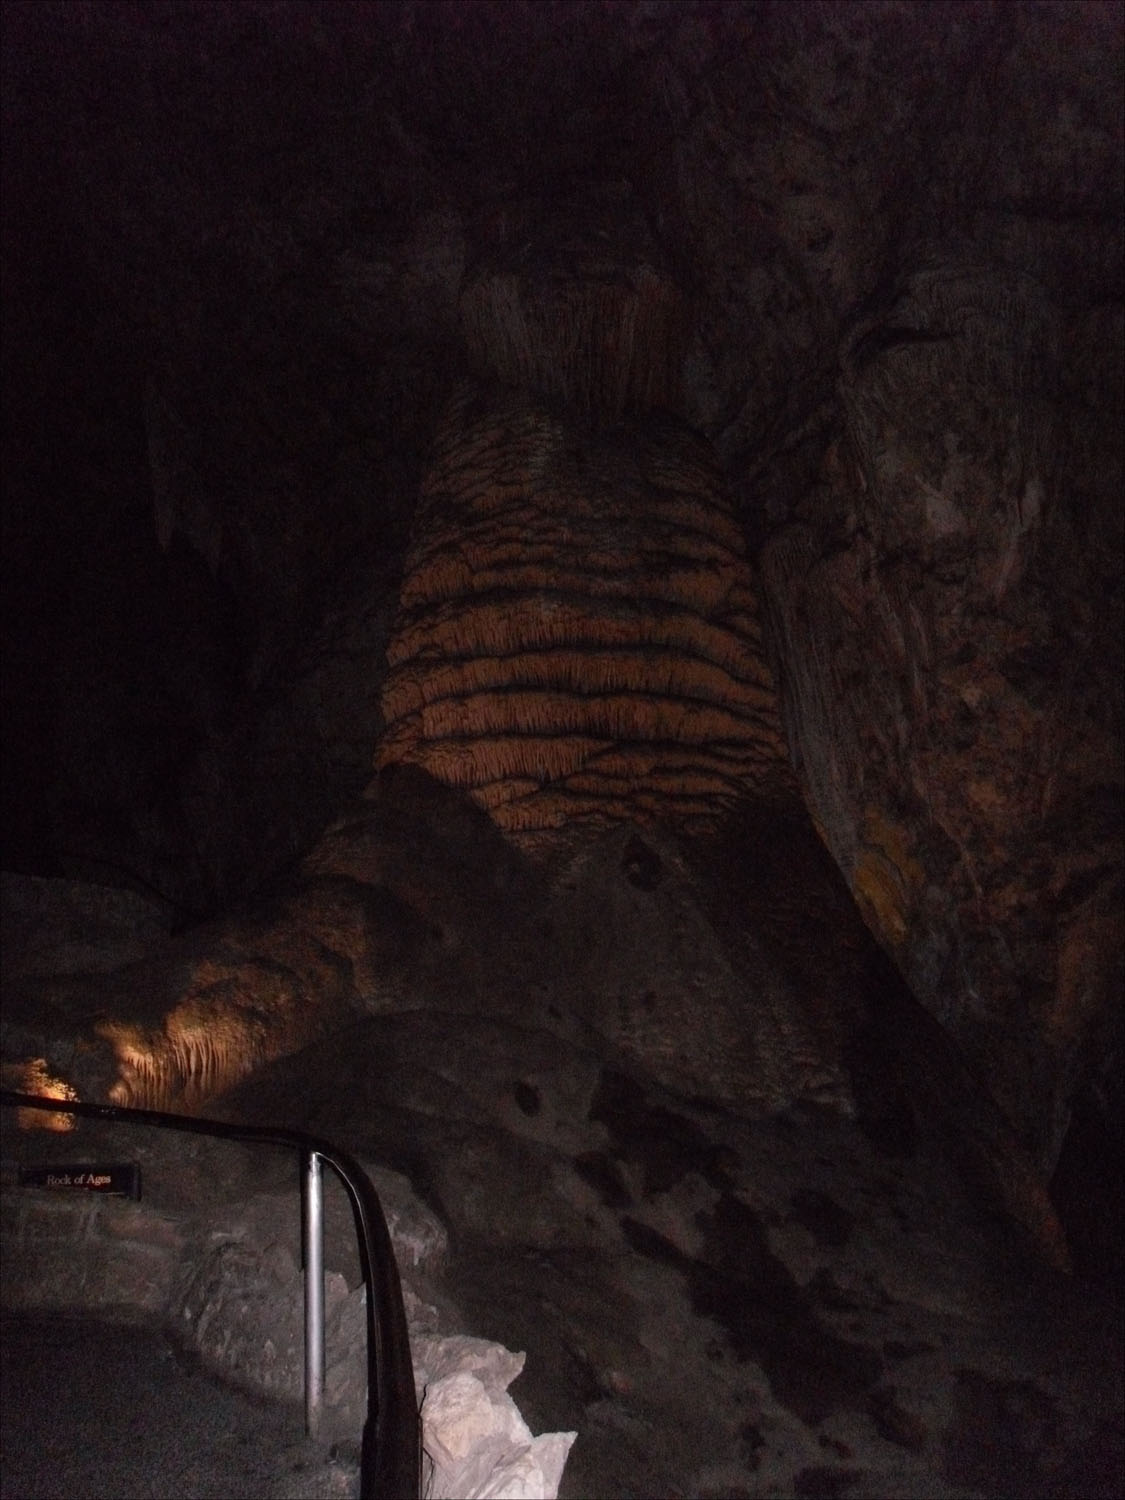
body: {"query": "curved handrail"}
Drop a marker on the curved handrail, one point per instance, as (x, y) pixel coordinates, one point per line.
(390, 1465)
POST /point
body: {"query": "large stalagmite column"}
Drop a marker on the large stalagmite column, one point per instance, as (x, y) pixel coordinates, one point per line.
(578, 639)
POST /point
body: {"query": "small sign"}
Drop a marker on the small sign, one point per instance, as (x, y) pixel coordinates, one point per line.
(120, 1178)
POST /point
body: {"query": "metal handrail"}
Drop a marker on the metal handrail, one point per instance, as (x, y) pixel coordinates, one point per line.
(390, 1464)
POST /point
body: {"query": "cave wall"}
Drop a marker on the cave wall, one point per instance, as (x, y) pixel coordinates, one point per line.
(950, 700)
(871, 254)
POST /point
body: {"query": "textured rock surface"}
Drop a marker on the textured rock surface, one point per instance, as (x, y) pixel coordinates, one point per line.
(959, 742)
(805, 1283)
(720, 1304)
(567, 296)
(577, 638)
(870, 255)
(693, 960)
(63, 926)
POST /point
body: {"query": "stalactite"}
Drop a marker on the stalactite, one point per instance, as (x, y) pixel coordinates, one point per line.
(569, 298)
(602, 347)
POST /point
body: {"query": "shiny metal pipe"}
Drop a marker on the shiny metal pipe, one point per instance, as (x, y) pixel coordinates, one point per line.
(312, 1189)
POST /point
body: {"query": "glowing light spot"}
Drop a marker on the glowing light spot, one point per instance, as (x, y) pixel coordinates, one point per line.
(33, 1077)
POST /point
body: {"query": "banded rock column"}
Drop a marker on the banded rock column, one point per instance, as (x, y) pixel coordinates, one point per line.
(578, 640)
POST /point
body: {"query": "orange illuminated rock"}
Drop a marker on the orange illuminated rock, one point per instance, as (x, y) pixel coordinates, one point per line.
(578, 638)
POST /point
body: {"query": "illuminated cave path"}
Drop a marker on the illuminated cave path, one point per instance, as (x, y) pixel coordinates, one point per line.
(97, 1411)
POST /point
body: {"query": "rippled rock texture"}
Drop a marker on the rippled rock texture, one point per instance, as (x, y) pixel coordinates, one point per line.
(578, 641)
(558, 511)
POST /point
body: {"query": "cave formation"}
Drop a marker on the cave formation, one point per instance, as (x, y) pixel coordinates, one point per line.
(592, 521)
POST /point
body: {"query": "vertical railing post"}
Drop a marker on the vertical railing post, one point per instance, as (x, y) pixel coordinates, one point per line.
(312, 1188)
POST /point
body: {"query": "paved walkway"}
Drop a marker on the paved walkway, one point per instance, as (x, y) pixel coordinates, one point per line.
(91, 1412)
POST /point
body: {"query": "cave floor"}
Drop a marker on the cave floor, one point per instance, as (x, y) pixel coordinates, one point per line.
(720, 1306)
(97, 1410)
